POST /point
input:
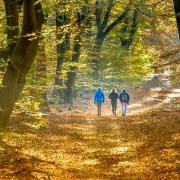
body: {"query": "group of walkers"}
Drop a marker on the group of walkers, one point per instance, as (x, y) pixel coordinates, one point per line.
(123, 97)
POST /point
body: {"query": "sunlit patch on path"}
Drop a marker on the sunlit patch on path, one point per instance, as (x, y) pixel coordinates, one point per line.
(158, 98)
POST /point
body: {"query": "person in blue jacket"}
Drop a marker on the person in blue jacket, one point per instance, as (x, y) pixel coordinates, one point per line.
(124, 99)
(99, 99)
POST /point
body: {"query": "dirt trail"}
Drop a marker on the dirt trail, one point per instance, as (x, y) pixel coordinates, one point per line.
(167, 99)
(84, 147)
(142, 100)
(71, 145)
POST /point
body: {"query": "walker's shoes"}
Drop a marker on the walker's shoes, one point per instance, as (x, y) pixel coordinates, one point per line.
(114, 113)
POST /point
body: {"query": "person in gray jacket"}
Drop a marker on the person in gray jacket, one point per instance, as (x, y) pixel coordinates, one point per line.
(124, 99)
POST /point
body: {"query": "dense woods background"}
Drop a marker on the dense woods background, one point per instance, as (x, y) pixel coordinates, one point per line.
(54, 54)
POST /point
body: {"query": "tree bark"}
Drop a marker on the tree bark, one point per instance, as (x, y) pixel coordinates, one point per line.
(12, 24)
(70, 84)
(62, 47)
(41, 76)
(177, 13)
(21, 59)
(96, 54)
(73, 70)
(131, 31)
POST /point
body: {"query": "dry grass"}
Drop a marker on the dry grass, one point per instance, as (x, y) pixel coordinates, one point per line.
(79, 147)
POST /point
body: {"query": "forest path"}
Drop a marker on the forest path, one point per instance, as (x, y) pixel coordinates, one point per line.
(158, 98)
(83, 147)
(71, 145)
(142, 100)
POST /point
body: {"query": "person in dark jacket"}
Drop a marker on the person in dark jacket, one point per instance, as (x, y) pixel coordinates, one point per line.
(99, 99)
(113, 96)
(124, 99)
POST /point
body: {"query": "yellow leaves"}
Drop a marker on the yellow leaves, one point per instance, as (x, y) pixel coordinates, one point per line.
(177, 137)
(119, 150)
(84, 146)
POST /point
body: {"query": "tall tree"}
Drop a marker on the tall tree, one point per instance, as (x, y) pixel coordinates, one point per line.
(81, 24)
(63, 47)
(22, 57)
(104, 28)
(75, 59)
(41, 75)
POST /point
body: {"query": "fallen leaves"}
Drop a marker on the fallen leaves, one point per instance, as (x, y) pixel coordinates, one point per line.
(84, 146)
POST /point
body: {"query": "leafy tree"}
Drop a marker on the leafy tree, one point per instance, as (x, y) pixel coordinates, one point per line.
(41, 76)
(63, 46)
(21, 59)
(71, 77)
(104, 27)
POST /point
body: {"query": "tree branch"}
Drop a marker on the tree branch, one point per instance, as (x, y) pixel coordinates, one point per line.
(107, 15)
(133, 28)
(82, 17)
(118, 20)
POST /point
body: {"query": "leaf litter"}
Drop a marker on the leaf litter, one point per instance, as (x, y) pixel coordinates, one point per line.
(81, 146)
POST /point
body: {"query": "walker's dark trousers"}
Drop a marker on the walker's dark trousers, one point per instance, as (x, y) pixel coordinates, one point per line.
(114, 106)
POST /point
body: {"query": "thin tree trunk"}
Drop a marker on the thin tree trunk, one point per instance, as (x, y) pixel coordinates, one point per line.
(12, 30)
(96, 55)
(42, 76)
(62, 47)
(177, 13)
(12, 24)
(73, 70)
(21, 60)
(125, 31)
(70, 84)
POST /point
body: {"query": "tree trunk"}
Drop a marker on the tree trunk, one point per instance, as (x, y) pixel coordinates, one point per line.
(96, 63)
(177, 13)
(4, 55)
(129, 31)
(62, 47)
(42, 76)
(70, 84)
(12, 24)
(73, 71)
(21, 60)
(12, 30)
